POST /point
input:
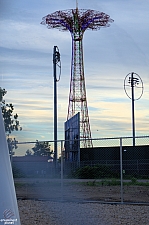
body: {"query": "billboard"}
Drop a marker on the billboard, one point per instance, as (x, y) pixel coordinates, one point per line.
(72, 138)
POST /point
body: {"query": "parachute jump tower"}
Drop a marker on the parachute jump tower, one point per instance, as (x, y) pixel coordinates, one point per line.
(77, 21)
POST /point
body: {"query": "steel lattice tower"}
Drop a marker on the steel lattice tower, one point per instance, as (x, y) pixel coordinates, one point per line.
(77, 21)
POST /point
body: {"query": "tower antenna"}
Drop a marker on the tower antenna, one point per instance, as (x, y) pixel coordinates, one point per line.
(76, 4)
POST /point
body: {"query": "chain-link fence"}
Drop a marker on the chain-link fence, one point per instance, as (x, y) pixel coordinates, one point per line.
(113, 170)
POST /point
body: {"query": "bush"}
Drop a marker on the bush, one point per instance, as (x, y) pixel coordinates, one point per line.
(94, 172)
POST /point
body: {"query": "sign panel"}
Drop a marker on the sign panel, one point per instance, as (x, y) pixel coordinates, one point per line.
(72, 138)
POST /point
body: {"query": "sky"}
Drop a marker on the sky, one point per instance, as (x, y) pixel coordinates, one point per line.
(26, 70)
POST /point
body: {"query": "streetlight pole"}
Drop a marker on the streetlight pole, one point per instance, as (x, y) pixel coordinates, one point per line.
(133, 80)
(56, 59)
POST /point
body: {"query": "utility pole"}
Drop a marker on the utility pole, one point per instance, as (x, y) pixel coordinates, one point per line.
(56, 60)
(132, 81)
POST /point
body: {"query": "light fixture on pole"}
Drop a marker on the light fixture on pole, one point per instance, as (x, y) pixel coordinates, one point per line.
(133, 86)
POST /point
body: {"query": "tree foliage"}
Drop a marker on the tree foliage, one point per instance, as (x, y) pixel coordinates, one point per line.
(12, 144)
(11, 122)
(2, 93)
(28, 153)
(42, 149)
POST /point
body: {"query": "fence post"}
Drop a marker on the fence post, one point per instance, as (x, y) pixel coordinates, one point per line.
(121, 169)
(62, 171)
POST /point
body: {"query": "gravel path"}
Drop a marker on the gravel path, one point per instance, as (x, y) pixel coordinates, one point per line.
(73, 213)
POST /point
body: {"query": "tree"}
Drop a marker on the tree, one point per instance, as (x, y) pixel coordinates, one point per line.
(28, 153)
(12, 144)
(11, 122)
(2, 93)
(42, 149)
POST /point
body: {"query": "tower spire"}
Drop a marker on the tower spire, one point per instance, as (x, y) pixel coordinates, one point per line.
(76, 4)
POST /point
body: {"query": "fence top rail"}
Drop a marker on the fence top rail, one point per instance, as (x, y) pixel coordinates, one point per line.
(93, 139)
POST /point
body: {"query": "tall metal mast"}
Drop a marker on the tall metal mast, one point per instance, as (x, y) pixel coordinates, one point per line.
(77, 21)
(56, 60)
(131, 82)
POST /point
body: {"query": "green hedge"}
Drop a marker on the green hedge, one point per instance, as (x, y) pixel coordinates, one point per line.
(95, 172)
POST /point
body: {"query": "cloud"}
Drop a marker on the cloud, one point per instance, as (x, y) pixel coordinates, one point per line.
(26, 67)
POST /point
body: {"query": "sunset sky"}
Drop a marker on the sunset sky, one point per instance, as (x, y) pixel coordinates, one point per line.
(26, 69)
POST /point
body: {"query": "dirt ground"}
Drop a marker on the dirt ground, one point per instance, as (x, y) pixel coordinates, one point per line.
(79, 190)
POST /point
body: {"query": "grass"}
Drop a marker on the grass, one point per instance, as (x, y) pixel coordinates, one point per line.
(91, 182)
(116, 182)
